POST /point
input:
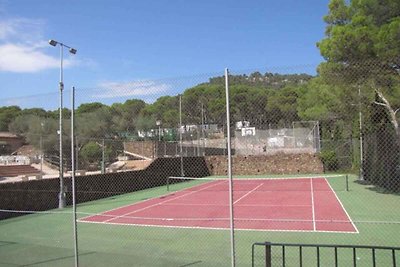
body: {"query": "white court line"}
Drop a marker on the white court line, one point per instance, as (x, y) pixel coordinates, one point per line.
(187, 219)
(220, 228)
(160, 203)
(248, 193)
(312, 204)
(341, 204)
(227, 205)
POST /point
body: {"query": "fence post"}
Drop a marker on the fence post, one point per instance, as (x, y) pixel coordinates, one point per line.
(228, 135)
(252, 255)
(268, 261)
(73, 183)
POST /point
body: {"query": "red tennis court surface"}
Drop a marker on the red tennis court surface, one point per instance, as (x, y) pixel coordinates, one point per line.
(298, 204)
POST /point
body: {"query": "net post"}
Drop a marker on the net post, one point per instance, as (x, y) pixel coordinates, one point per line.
(168, 183)
(347, 182)
(268, 260)
(252, 255)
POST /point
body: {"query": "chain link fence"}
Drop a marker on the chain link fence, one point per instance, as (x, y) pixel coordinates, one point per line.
(315, 159)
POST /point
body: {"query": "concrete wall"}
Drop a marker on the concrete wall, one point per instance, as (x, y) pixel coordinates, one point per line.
(142, 148)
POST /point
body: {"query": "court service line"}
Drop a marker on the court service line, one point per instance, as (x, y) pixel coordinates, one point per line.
(248, 193)
(312, 205)
(160, 203)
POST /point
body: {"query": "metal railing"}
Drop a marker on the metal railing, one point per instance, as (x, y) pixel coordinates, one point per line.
(270, 258)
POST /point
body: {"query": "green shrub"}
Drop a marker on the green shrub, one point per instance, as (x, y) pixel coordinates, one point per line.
(90, 153)
(329, 160)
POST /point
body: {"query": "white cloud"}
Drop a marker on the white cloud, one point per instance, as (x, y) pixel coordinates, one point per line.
(21, 29)
(131, 89)
(22, 45)
(20, 58)
(5, 30)
(24, 58)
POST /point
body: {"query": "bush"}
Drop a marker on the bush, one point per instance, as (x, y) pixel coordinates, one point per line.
(90, 153)
(329, 160)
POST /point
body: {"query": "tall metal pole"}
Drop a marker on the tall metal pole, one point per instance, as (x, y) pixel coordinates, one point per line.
(202, 129)
(73, 175)
(41, 148)
(319, 138)
(103, 164)
(61, 196)
(180, 134)
(77, 154)
(361, 136)
(228, 133)
(41, 154)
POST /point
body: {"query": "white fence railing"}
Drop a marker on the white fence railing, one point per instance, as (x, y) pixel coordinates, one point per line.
(15, 160)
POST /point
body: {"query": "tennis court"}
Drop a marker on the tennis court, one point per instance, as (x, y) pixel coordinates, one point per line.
(285, 204)
(46, 239)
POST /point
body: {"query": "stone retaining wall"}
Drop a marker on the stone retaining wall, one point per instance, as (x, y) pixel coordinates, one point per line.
(273, 164)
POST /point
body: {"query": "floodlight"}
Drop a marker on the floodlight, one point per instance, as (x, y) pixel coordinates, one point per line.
(72, 51)
(53, 43)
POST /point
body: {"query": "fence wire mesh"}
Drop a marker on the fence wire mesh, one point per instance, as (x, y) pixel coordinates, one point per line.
(315, 159)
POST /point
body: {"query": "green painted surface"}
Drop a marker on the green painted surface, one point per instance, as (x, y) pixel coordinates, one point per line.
(47, 239)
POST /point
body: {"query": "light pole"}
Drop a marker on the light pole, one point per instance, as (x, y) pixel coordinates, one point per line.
(61, 196)
(158, 123)
(41, 148)
(202, 129)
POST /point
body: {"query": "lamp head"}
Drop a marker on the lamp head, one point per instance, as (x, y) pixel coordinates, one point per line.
(53, 43)
(72, 51)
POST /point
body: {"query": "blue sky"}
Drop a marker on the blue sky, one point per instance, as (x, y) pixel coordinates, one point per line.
(122, 42)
